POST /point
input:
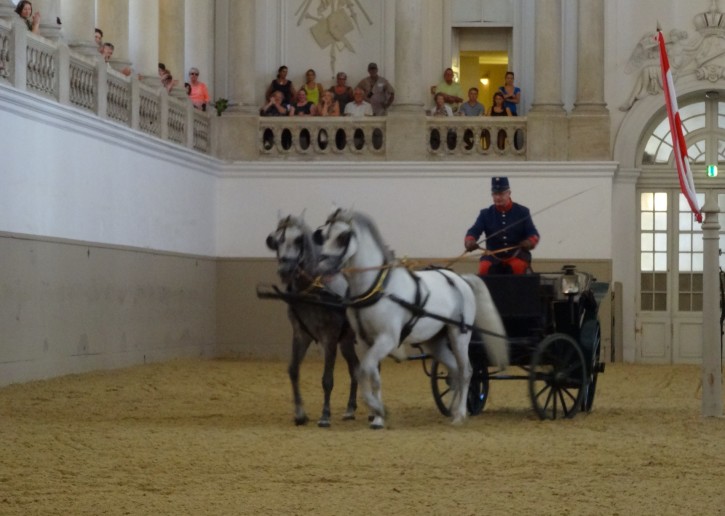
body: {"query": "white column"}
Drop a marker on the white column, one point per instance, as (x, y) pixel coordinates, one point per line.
(199, 41)
(547, 68)
(79, 23)
(49, 16)
(408, 56)
(7, 9)
(241, 56)
(112, 19)
(712, 404)
(590, 61)
(171, 37)
(143, 36)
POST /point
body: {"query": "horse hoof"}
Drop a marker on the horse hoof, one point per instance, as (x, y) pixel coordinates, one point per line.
(323, 423)
(458, 421)
(377, 426)
(299, 421)
(348, 416)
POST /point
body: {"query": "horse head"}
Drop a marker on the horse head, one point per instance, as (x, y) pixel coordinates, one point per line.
(337, 241)
(296, 253)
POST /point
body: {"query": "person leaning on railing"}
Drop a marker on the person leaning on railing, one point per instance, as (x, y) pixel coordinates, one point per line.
(24, 9)
(275, 106)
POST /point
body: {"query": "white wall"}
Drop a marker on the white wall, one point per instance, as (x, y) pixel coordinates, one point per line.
(70, 175)
(421, 209)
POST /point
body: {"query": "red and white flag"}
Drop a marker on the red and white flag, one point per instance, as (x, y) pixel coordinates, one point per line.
(687, 183)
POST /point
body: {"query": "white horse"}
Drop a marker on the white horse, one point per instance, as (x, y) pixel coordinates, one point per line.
(389, 305)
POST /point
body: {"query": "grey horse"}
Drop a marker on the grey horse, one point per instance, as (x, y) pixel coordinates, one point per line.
(315, 312)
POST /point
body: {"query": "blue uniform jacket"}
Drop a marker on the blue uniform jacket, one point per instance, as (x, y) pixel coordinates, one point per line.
(505, 229)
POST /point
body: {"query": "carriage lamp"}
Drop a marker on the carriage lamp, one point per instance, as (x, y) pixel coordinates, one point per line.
(570, 281)
(712, 171)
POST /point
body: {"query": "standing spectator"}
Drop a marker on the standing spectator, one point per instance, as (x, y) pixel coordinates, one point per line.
(453, 94)
(313, 89)
(378, 91)
(303, 107)
(511, 94)
(280, 83)
(199, 95)
(98, 38)
(440, 108)
(275, 106)
(167, 81)
(473, 107)
(107, 53)
(328, 105)
(342, 92)
(358, 107)
(24, 9)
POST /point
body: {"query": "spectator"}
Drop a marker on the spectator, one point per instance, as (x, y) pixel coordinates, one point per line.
(199, 95)
(24, 9)
(282, 84)
(275, 106)
(187, 87)
(378, 91)
(328, 105)
(453, 94)
(358, 107)
(108, 49)
(498, 108)
(473, 107)
(341, 91)
(98, 38)
(167, 81)
(441, 108)
(303, 107)
(511, 94)
(313, 89)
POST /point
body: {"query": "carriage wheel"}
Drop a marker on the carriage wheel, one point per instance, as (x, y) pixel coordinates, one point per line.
(590, 338)
(443, 393)
(558, 377)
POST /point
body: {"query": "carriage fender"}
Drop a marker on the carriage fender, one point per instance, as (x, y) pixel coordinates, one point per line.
(489, 320)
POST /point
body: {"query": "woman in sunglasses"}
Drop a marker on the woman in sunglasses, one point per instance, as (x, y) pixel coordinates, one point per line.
(199, 95)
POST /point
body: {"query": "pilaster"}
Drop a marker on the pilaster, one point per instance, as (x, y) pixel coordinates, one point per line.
(143, 37)
(79, 22)
(171, 37)
(242, 56)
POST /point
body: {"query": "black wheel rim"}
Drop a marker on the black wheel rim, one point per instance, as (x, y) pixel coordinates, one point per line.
(558, 377)
(441, 387)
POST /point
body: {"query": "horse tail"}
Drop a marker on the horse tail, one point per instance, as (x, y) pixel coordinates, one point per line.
(489, 320)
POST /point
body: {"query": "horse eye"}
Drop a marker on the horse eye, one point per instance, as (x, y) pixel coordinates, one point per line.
(298, 241)
(343, 239)
(317, 237)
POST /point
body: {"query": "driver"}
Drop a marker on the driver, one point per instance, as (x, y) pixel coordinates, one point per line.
(508, 228)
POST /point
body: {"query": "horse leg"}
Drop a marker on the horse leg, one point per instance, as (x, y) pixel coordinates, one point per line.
(300, 343)
(347, 347)
(459, 344)
(328, 380)
(370, 373)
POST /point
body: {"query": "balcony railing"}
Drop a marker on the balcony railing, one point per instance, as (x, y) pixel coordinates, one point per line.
(33, 63)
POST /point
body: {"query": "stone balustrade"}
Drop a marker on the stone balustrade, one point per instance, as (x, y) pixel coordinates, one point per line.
(38, 65)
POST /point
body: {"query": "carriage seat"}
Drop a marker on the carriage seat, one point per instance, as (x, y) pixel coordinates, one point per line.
(521, 300)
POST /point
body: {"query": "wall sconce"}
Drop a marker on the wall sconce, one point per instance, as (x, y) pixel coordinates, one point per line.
(484, 81)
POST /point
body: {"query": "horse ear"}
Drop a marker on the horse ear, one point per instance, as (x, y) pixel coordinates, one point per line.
(302, 215)
(279, 215)
(317, 237)
(272, 242)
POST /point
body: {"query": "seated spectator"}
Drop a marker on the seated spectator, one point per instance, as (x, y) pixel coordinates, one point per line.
(441, 108)
(167, 81)
(328, 105)
(199, 95)
(275, 106)
(378, 91)
(108, 49)
(498, 108)
(341, 91)
(282, 84)
(511, 94)
(313, 89)
(24, 9)
(98, 38)
(302, 107)
(473, 107)
(358, 107)
(453, 94)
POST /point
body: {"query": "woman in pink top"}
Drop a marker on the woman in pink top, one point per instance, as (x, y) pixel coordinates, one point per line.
(199, 95)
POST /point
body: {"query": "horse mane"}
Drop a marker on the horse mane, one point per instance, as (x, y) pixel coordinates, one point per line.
(366, 222)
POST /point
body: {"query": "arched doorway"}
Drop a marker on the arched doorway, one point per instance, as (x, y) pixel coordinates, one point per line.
(668, 306)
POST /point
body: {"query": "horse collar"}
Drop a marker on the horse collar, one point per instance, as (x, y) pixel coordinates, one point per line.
(374, 293)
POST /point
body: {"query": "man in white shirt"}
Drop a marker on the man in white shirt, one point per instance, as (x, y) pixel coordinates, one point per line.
(358, 107)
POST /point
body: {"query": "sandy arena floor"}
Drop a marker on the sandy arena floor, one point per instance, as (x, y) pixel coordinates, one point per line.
(216, 437)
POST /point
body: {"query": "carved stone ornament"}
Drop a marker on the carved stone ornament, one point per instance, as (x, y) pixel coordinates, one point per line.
(698, 57)
(332, 22)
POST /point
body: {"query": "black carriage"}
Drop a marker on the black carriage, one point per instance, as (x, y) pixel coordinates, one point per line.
(554, 337)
